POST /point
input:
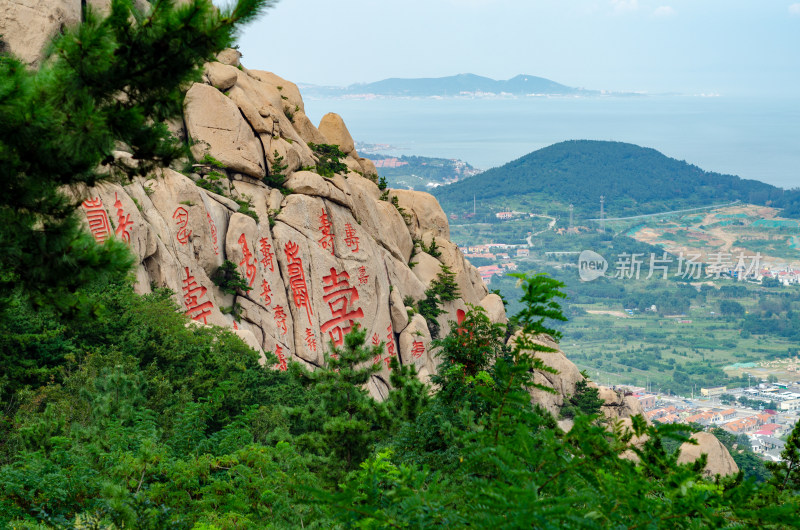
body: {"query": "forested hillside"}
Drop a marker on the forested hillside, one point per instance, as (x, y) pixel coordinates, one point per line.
(634, 180)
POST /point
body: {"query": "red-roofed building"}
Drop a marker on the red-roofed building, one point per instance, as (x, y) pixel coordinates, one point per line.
(770, 429)
(747, 424)
(669, 418)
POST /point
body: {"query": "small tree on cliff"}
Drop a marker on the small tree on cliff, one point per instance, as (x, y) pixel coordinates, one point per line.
(104, 85)
(343, 422)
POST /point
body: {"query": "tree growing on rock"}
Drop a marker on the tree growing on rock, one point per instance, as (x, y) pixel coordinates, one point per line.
(442, 289)
(343, 422)
(106, 85)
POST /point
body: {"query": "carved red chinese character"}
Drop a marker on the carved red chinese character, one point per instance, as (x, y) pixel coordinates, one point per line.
(375, 342)
(280, 319)
(340, 297)
(124, 222)
(181, 217)
(266, 254)
(388, 361)
(350, 239)
(282, 364)
(213, 227)
(460, 316)
(417, 349)
(363, 277)
(297, 278)
(250, 268)
(266, 292)
(326, 227)
(311, 340)
(98, 219)
(192, 293)
(390, 341)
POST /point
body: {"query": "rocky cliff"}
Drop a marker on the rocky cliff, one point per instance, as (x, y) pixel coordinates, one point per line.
(320, 255)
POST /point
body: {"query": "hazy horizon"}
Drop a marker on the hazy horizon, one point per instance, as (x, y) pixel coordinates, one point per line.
(736, 47)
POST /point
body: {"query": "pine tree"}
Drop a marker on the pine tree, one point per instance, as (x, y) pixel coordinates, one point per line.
(343, 422)
(445, 285)
(442, 289)
(104, 85)
(786, 474)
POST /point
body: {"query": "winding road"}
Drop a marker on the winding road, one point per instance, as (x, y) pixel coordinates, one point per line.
(550, 226)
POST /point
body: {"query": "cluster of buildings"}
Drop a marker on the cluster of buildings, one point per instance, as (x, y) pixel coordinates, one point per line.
(749, 423)
(785, 399)
(783, 273)
(499, 252)
(494, 249)
(670, 414)
(488, 271)
(390, 162)
(762, 429)
(505, 216)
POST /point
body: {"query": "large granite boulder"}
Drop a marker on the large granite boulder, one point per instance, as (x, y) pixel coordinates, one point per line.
(426, 215)
(335, 131)
(718, 460)
(217, 128)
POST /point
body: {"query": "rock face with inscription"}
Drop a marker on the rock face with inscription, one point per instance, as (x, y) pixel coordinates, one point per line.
(320, 255)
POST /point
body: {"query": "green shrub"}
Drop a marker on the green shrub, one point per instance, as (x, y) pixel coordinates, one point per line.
(246, 207)
(330, 159)
(228, 279)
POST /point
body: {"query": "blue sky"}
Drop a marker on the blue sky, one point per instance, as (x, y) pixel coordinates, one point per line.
(731, 47)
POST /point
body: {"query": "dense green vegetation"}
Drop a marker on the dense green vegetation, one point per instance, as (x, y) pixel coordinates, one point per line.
(633, 179)
(134, 419)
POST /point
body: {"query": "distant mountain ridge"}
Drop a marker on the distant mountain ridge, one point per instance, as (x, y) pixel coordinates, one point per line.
(634, 180)
(454, 85)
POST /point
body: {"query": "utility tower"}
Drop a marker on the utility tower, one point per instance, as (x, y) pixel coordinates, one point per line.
(571, 207)
(602, 214)
(473, 204)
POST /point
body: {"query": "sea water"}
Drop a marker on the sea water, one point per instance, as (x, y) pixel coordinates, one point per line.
(753, 138)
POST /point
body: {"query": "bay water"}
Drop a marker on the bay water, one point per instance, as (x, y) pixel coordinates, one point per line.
(755, 138)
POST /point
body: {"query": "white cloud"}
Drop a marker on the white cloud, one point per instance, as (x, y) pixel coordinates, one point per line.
(664, 12)
(794, 9)
(625, 5)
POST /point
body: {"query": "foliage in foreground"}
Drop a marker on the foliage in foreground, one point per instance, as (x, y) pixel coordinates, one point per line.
(145, 422)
